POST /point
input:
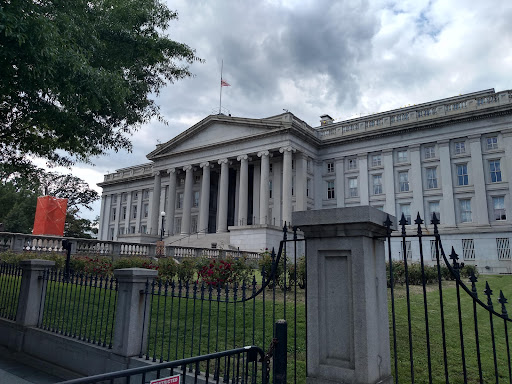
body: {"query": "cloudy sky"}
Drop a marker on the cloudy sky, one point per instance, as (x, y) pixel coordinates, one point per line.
(344, 58)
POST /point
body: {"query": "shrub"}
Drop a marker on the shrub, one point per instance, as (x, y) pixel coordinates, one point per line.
(266, 265)
(186, 269)
(15, 258)
(217, 273)
(167, 268)
(301, 272)
(242, 270)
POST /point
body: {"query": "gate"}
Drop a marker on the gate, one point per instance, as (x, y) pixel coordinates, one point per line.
(191, 317)
(444, 323)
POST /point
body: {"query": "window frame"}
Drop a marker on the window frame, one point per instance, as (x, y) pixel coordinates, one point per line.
(495, 174)
(353, 191)
(403, 185)
(500, 214)
(459, 147)
(377, 187)
(331, 190)
(431, 173)
(464, 211)
(464, 177)
(402, 156)
(492, 143)
(376, 160)
(429, 152)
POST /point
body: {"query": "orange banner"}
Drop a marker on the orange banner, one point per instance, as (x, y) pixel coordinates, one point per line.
(50, 216)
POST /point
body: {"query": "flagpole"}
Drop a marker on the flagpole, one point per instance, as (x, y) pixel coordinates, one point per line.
(220, 83)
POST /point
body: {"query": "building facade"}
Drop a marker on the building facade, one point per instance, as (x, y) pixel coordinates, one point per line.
(239, 180)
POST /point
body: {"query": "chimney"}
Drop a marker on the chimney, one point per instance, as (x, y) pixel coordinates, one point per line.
(325, 120)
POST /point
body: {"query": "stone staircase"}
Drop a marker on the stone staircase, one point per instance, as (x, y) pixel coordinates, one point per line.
(200, 240)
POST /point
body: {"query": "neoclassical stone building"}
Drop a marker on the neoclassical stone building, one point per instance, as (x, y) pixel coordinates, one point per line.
(235, 181)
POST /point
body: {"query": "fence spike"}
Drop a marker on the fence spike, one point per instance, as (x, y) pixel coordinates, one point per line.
(285, 228)
(502, 300)
(435, 221)
(294, 232)
(418, 222)
(403, 222)
(488, 293)
(473, 280)
(388, 223)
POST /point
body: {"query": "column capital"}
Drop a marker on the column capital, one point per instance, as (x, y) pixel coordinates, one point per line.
(205, 164)
(171, 170)
(288, 148)
(156, 172)
(187, 168)
(223, 161)
(263, 153)
(242, 157)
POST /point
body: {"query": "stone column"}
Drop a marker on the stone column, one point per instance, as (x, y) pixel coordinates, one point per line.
(301, 177)
(319, 189)
(171, 202)
(223, 196)
(139, 211)
(479, 203)
(507, 165)
(287, 184)
(133, 308)
(128, 212)
(364, 197)
(347, 317)
(265, 162)
(237, 194)
(256, 194)
(277, 187)
(415, 183)
(447, 206)
(243, 197)
(155, 204)
(118, 216)
(103, 217)
(204, 204)
(32, 291)
(187, 200)
(339, 191)
(389, 181)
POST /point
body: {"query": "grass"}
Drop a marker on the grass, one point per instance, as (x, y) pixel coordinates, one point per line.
(180, 326)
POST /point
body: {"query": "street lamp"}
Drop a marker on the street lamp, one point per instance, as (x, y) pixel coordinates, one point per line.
(163, 230)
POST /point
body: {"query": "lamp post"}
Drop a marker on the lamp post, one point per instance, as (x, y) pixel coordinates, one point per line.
(163, 230)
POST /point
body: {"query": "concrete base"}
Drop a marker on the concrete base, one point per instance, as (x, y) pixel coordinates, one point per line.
(314, 380)
(255, 238)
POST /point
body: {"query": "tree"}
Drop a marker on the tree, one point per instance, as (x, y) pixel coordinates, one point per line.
(17, 208)
(76, 76)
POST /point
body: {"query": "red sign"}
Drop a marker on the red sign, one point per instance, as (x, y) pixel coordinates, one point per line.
(50, 216)
(167, 380)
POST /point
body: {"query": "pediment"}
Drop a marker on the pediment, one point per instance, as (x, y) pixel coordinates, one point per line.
(215, 130)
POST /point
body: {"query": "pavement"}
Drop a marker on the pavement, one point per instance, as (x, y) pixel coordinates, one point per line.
(15, 372)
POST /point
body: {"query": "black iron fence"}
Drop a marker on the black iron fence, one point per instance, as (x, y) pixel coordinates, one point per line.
(441, 330)
(10, 283)
(238, 365)
(79, 305)
(197, 317)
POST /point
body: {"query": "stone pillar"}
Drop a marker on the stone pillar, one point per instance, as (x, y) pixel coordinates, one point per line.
(287, 184)
(389, 182)
(139, 211)
(204, 204)
(155, 204)
(415, 183)
(187, 200)
(32, 291)
(277, 187)
(128, 212)
(319, 189)
(339, 191)
(479, 203)
(132, 312)
(447, 206)
(301, 179)
(364, 196)
(223, 196)
(103, 218)
(118, 215)
(265, 162)
(237, 194)
(348, 325)
(507, 171)
(243, 197)
(171, 202)
(256, 194)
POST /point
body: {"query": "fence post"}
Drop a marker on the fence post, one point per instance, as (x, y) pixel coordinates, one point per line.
(347, 317)
(280, 353)
(32, 291)
(132, 312)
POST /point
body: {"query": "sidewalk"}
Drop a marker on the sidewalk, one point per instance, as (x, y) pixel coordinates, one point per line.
(14, 372)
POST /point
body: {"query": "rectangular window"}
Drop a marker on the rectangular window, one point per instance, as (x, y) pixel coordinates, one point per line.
(465, 210)
(403, 178)
(492, 142)
(352, 187)
(498, 204)
(270, 168)
(433, 207)
(197, 179)
(376, 160)
(135, 195)
(182, 181)
(196, 199)
(401, 156)
(125, 197)
(132, 229)
(462, 174)
(408, 248)
(113, 213)
(308, 165)
(330, 167)
(495, 169)
(330, 189)
(177, 225)
(124, 213)
(468, 249)
(460, 147)
(145, 194)
(270, 189)
(503, 246)
(293, 185)
(352, 164)
(405, 209)
(193, 224)
(146, 210)
(134, 212)
(431, 178)
(143, 229)
(111, 233)
(308, 187)
(179, 201)
(121, 231)
(430, 152)
(433, 255)
(114, 199)
(377, 184)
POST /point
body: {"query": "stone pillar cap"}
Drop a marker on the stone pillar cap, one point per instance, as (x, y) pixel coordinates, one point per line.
(36, 264)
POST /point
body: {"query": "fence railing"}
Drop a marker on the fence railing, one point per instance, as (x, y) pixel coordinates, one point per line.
(80, 305)
(10, 284)
(441, 330)
(239, 365)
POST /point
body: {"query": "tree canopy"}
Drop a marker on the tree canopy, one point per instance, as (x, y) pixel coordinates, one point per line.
(76, 77)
